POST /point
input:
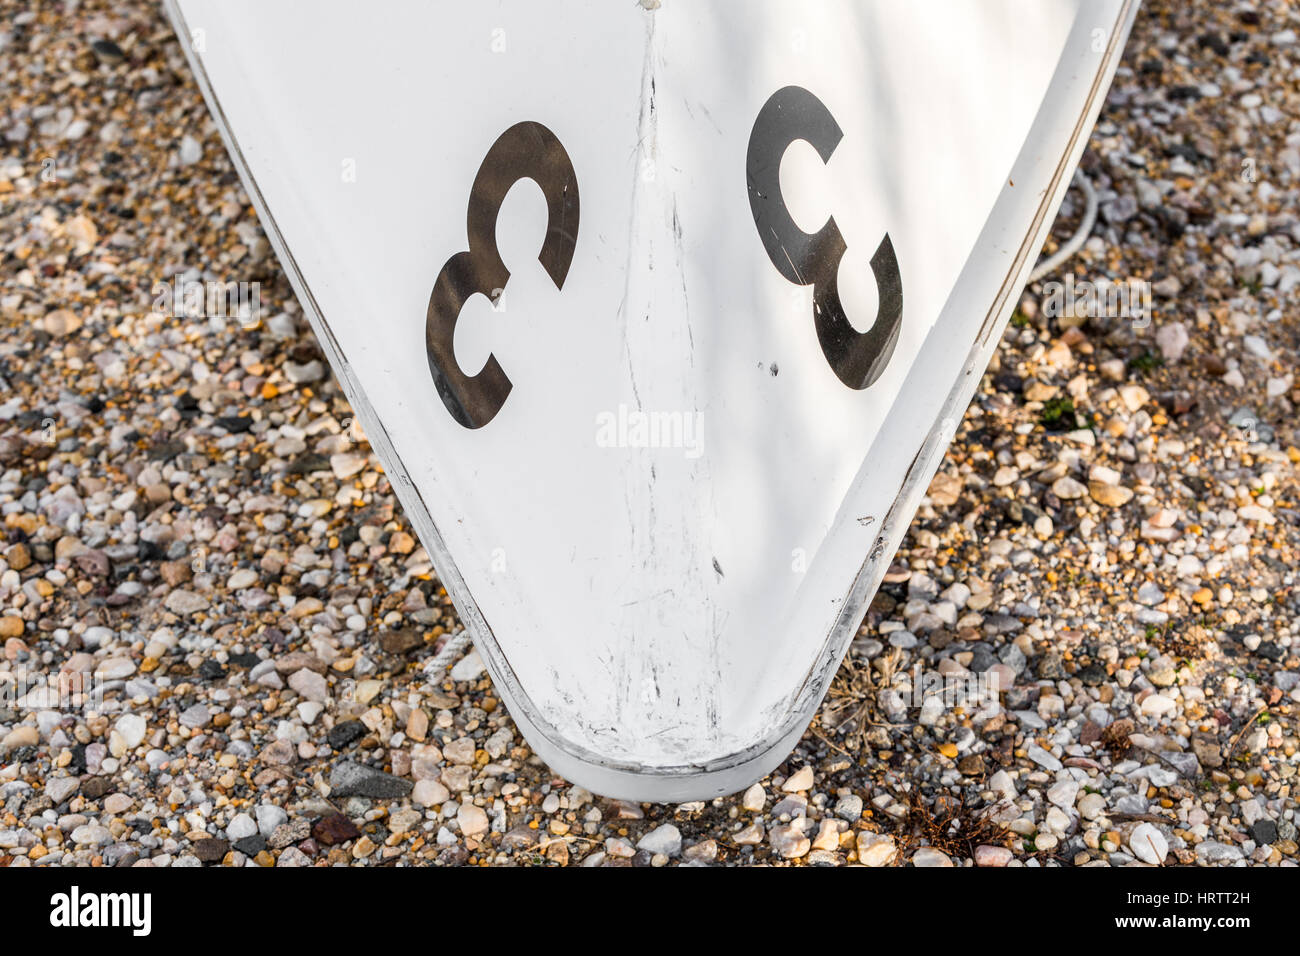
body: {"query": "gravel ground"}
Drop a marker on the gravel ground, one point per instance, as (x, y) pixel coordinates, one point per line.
(190, 515)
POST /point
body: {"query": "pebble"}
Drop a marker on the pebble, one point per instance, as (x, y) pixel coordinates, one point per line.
(788, 840)
(117, 803)
(1172, 339)
(305, 373)
(60, 789)
(1157, 705)
(1092, 806)
(346, 466)
(996, 856)
(468, 668)
(1150, 594)
(665, 839)
(350, 779)
(1063, 793)
(1213, 851)
(269, 819)
(91, 835)
(472, 820)
(1148, 844)
(195, 716)
(309, 684)
(1044, 759)
(130, 729)
(24, 736)
(334, 829)
(1108, 495)
(929, 856)
(1067, 488)
(240, 827)
(210, 850)
(403, 821)
(429, 793)
(1002, 785)
(243, 578)
(182, 601)
(875, 849)
(190, 152)
(848, 807)
(799, 781)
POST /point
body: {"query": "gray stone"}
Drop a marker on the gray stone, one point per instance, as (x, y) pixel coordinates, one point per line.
(350, 779)
(1264, 832)
(195, 716)
(305, 373)
(1214, 852)
(287, 834)
(1186, 764)
(1044, 759)
(59, 789)
(849, 807)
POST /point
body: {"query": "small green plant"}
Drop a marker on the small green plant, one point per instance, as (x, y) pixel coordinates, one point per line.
(1058, 414)
(1146, 362)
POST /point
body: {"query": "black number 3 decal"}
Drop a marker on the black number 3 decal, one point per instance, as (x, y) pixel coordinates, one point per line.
(525, 151)
(858, 358)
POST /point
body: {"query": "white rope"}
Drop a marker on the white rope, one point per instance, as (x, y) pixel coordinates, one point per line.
(1080, 236)
(454, 647)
